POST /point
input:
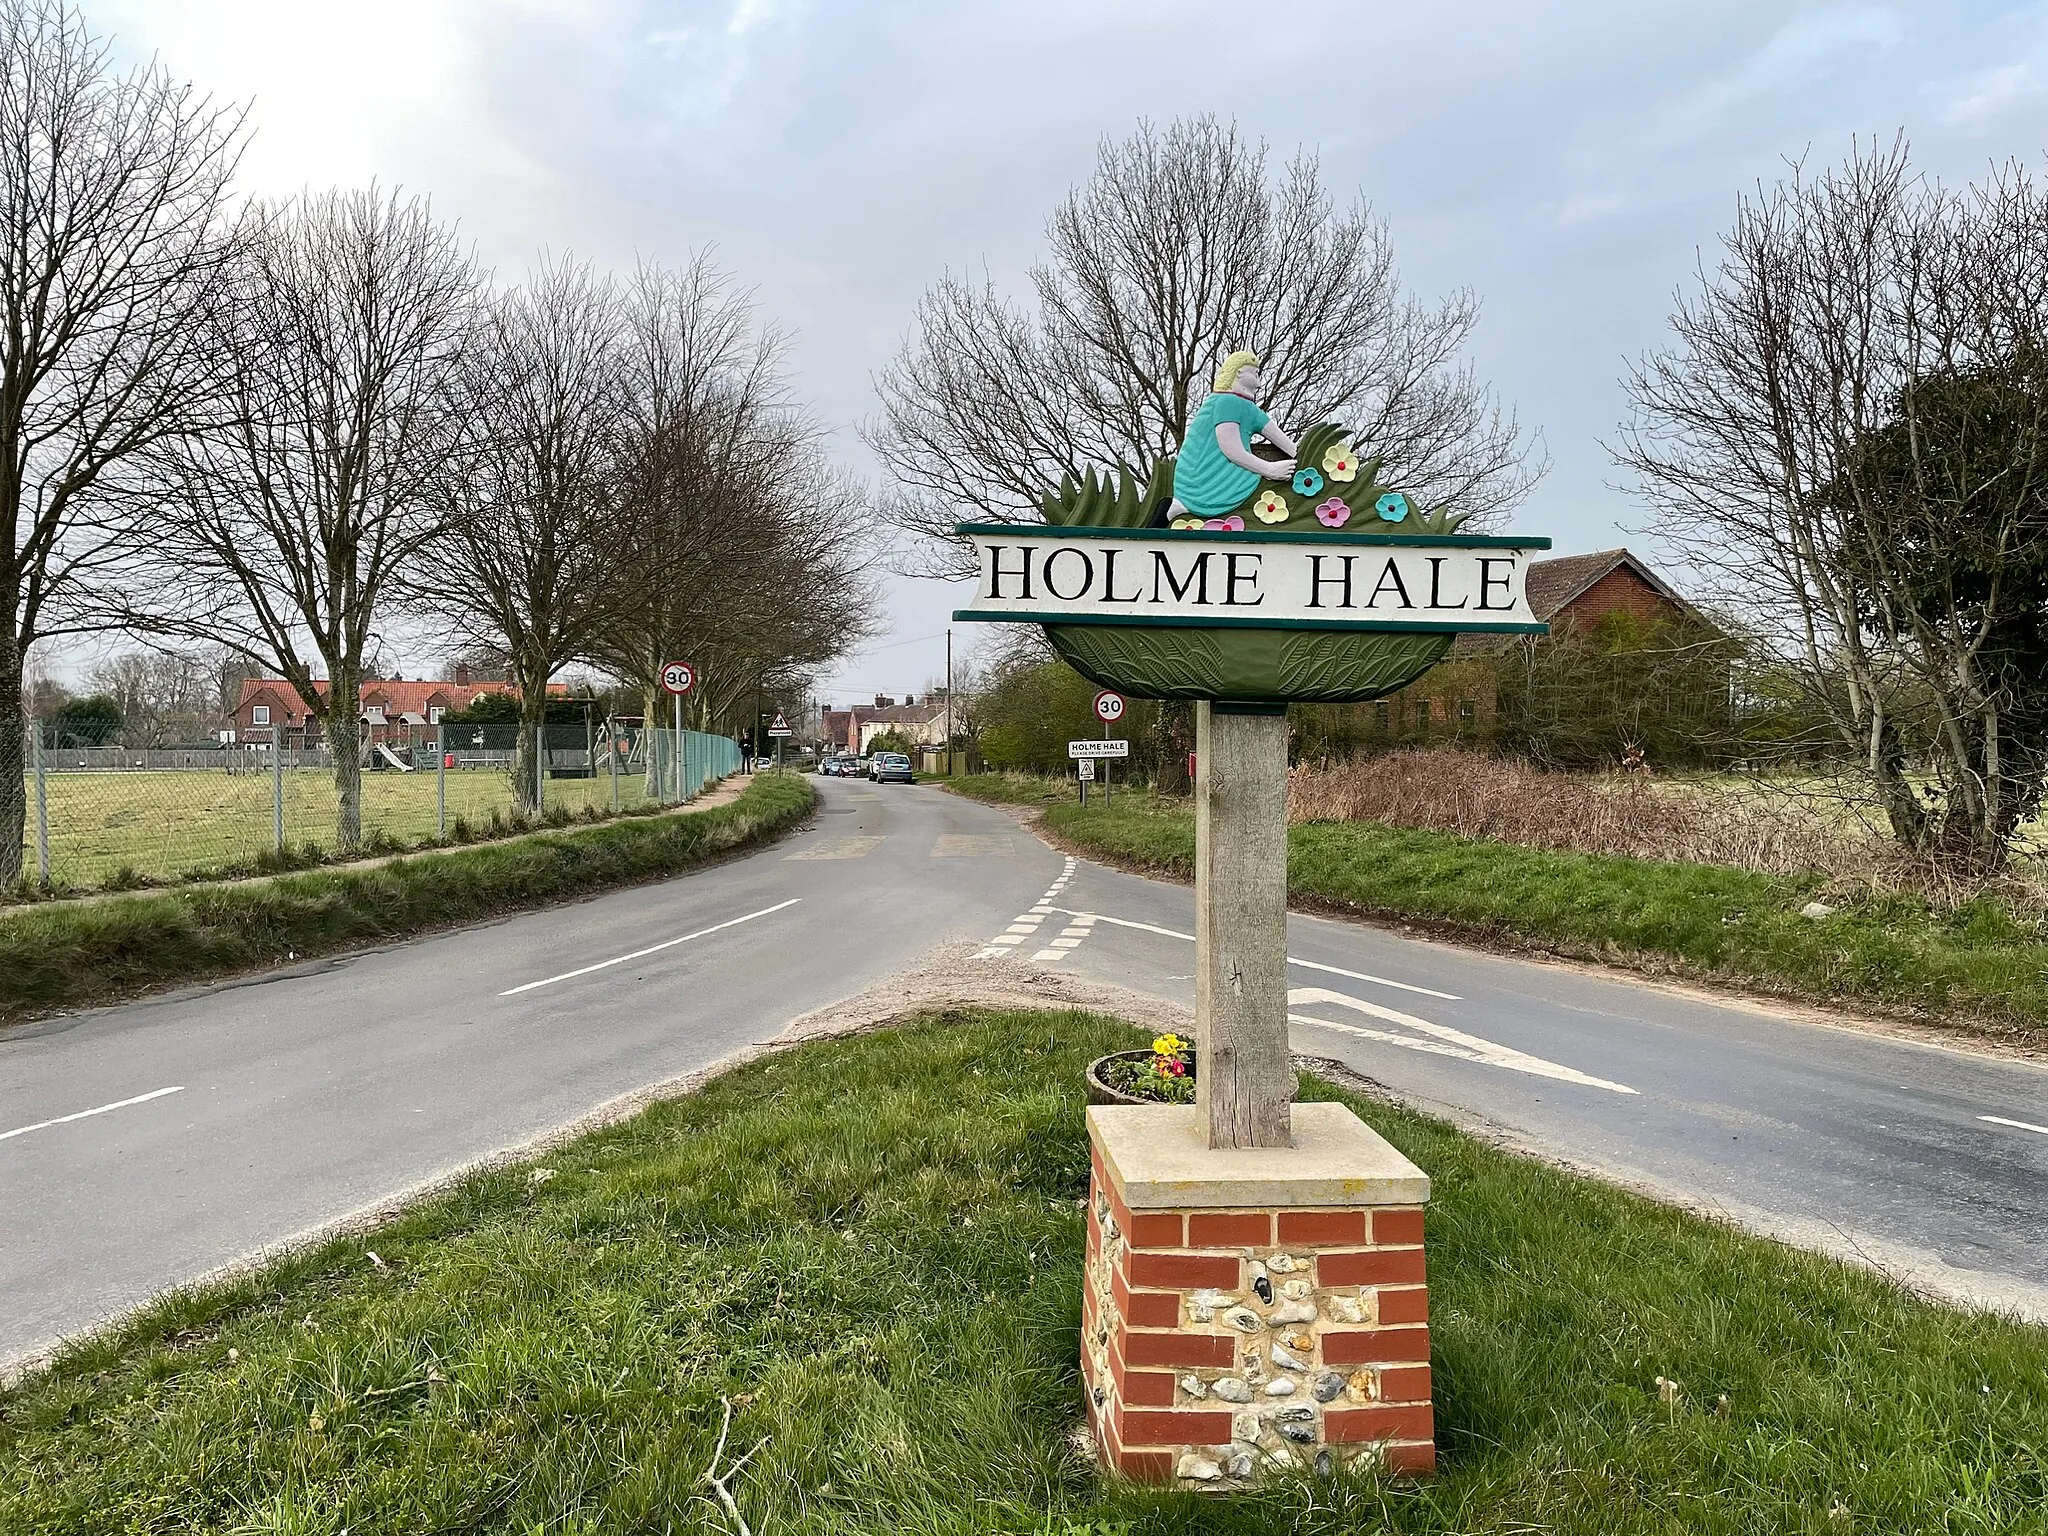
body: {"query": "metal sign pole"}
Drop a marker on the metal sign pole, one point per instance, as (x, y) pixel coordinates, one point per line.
(277, 788)
(681, 794)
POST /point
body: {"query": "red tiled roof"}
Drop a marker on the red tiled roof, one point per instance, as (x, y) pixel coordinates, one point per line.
(393, 697)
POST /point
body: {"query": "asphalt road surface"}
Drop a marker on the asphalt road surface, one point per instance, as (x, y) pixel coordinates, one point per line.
(145, 1145)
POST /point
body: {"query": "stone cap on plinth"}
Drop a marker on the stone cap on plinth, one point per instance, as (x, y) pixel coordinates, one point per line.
(1159, 1157)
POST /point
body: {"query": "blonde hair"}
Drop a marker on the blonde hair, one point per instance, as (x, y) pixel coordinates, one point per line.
(1226, 376)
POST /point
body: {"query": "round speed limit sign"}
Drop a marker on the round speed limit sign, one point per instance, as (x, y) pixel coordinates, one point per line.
(678, 677)
(1109, 707)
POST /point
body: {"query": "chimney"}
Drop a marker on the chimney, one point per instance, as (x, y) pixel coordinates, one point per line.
(462, 674)
(883, 701)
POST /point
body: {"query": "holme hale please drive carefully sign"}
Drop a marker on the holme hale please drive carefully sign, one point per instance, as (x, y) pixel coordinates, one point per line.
(1256, 1295)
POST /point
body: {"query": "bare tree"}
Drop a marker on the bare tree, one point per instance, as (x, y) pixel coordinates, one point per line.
(167, 697)
(1181, 249)
(749, 552)
(527, 563)
(1849, 437)
(287, 530)
(110, 196)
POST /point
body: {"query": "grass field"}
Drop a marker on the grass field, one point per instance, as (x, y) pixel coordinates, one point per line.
(169, 823)
(1980, 963)
(873, 1250)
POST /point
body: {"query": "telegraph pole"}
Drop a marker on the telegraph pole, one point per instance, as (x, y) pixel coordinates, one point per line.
(949, 702)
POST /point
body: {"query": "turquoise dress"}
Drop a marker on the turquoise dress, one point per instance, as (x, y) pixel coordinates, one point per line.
(1204, 481)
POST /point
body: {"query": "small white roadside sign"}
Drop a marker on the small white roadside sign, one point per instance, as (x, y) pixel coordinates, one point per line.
(1082, 750)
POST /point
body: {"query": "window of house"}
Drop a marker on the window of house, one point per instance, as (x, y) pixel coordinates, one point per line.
(1467, 711)
(434, 713)
(1381, 715)
(259, 714)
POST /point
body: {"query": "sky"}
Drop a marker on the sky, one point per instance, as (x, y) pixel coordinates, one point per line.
(1568, 162)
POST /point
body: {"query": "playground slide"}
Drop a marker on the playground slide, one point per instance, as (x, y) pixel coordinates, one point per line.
(393, 758)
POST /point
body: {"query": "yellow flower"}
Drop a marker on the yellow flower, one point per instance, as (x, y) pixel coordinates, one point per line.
(1271, 508)
(1187, 522)
(1340, 461)
(1168, 1045)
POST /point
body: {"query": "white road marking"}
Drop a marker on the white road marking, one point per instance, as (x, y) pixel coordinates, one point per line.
(2018, 1125)
(86, 1114)
(1443, 1041)
(1048, 956)
(650, 949)
(1027, 923)
(1311, 965)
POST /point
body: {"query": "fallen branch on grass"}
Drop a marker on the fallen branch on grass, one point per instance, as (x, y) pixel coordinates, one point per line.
(719, 1482)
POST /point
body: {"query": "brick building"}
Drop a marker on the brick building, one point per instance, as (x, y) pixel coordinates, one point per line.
(394, 710)
(1460, 695)
(922, 724)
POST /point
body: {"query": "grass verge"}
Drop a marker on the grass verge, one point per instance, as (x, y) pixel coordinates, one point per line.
(873, 1248)
(64, 955)
(1977, 964)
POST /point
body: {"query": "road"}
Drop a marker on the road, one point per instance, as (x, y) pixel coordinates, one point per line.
(144, 1145)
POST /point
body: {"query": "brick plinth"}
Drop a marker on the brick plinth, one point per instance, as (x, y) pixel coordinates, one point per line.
(1224, 1337)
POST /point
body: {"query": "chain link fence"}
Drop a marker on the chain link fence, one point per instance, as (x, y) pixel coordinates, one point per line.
(115, 817)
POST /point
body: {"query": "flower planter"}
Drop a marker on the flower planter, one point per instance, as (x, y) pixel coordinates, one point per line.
(1100, 1091)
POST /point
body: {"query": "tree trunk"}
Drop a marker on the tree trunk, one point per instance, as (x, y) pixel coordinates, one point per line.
(13, 757)
(533, 715)
(345, 740)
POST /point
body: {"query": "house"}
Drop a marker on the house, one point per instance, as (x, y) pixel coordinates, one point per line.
(271, 710)
(1573, 592)
(850, 730)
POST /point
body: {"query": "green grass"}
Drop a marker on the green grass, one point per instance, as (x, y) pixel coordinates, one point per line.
(1979, 964)
(874, 1248)
(64, 954)
(163, 824)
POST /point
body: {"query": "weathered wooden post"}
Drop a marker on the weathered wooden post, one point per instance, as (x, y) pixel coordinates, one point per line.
(1256, 1294)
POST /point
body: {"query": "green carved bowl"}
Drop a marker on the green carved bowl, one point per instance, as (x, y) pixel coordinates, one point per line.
(1244, 665)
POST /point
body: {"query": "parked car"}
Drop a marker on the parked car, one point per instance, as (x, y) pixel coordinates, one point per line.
(891, 768)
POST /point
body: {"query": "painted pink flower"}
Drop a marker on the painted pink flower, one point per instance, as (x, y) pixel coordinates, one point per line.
(1230, 524)
(1333, 513)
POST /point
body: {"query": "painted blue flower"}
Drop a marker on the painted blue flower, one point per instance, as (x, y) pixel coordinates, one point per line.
(1307, 482)
(1392, 507)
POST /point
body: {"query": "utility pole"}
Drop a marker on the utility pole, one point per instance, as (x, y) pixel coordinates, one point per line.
(949, 702)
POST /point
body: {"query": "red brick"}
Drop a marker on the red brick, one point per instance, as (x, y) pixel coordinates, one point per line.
(1184, 1271)
(1153, 1309)
(1179, 1349)
(1230, 1229)
(1147, 1389)
(1403, 1306)
(1350, 1426)
(1391, 1228)
(1379, 1266)
(1153, 1229)
(1409, 1460)
(1145, 1466)
(1371, 1346)
(1153, 1426)
(1322, 1227)
(1404, 1384)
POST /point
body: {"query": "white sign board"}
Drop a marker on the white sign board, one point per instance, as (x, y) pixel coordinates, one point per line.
(1084, 750)
(781, 726)
(1420, 582)
(678, 677)
(1087, 771)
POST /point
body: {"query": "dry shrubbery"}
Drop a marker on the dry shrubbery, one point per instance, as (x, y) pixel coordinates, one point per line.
(1474, 795)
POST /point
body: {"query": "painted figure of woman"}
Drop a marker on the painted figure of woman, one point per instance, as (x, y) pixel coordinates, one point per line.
(1217, 469)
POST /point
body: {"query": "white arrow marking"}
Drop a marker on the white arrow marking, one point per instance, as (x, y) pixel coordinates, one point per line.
(1443, 1041)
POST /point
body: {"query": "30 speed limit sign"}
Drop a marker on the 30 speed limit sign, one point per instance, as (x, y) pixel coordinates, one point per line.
(1109, 707)
(678, 676)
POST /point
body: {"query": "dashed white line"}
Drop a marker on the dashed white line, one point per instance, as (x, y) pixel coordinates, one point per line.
(651, 949)
(2018, 1125)
(86, 1114)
